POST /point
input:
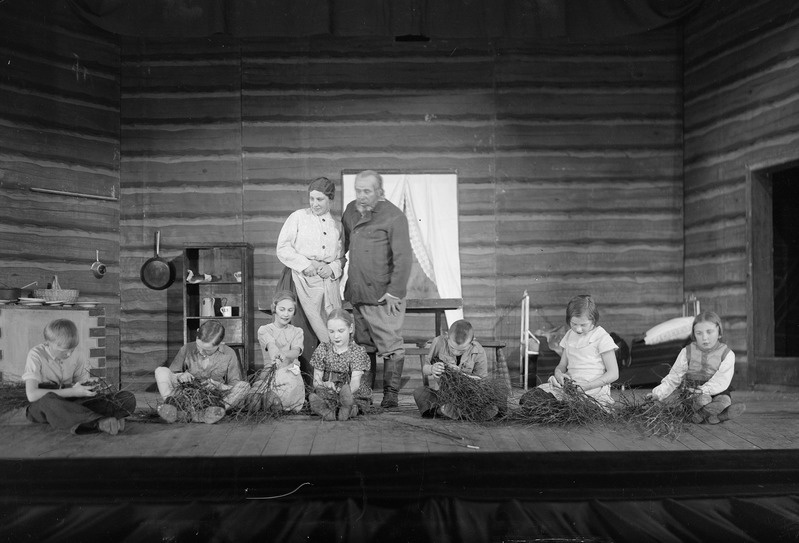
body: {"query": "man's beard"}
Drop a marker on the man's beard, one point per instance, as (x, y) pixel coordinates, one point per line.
(364, 208)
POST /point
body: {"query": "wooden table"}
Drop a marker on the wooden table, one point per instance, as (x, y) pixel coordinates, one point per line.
(435, 306)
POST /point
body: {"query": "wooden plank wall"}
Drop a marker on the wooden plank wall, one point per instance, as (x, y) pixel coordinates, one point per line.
(741, 110)
(549, 145)
(59, 127)
(319, 108)
(588, 147)
(181, 175)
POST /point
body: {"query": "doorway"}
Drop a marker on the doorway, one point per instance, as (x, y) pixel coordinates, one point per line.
(785, 241)
(773, 252)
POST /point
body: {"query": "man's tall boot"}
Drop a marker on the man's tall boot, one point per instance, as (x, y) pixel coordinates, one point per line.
(392, 379)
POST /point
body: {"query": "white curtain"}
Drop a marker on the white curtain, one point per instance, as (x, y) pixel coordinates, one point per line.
(430, 202)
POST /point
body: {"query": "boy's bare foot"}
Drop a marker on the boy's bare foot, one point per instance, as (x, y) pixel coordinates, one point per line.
(109, 425)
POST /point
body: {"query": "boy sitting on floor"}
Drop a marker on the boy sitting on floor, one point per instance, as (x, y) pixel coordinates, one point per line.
(458, 351)
(58, 387)
(209, 361)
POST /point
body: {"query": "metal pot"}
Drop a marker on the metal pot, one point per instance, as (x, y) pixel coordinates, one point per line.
(10, 293)
(13, 293)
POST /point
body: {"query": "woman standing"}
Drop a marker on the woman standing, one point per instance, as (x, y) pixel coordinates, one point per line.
(310, 245)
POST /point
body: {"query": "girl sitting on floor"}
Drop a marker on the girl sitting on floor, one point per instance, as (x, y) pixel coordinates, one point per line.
(340, 389)
(707, 366)
(588, 358)
(281, 345)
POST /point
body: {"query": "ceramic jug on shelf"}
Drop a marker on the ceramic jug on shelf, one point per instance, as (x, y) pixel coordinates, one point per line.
(207, 307)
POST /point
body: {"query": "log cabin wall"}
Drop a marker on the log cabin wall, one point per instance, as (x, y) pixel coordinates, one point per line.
(741, 110)
(59, 127)
(588, 184)
(181, 175)
(568, 158)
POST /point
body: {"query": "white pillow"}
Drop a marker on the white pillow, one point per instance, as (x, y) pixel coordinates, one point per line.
(678, 328)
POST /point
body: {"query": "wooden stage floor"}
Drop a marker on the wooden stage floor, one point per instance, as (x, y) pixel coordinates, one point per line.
(771, 421)
(393, 476)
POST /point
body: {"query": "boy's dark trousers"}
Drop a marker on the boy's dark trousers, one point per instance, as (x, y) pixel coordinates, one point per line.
(75, 413)
(426, 400)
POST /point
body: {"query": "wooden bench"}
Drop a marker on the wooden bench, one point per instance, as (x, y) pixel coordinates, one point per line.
(499, 371)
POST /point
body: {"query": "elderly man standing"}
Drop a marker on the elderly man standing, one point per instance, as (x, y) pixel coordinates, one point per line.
(376, 236)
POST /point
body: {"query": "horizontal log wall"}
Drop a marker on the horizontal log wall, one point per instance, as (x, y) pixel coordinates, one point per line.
(322, 108)
(181, 175)
(568, 163)
(741, 110)
(588, 147)
(59, 128)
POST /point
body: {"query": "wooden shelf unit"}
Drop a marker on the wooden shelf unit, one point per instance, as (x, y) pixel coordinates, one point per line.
(221, 261)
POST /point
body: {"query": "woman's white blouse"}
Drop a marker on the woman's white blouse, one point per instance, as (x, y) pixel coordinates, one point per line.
(305, 237)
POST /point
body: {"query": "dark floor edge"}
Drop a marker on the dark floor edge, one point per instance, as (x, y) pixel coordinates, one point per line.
(396, 477)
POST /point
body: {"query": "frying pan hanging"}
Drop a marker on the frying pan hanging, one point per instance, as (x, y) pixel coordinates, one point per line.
(157, 273)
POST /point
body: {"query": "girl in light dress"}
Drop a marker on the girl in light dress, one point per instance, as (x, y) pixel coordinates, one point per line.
(281, 345)
(588, 358)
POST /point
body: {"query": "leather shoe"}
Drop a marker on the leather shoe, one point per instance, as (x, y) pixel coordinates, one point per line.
(168, 412)
(212, 414)
(320, 407)
(732, 412)
(389, 400)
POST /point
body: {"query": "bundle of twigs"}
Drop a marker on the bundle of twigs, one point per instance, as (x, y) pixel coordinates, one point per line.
(194, 396)
(101, 386)
(660, 419)
(471, 398)
(574, 408)
(12, 396)
(260, 403)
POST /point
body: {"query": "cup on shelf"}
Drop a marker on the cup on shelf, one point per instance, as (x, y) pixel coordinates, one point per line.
(237, 276)
(226, 311)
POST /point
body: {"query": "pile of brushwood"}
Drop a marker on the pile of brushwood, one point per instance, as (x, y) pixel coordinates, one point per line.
(261, 402)
(193, 397)
(576, 408)
(12, 396)
(472, 398)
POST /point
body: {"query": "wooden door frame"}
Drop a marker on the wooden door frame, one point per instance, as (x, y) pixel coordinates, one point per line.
(762, 365)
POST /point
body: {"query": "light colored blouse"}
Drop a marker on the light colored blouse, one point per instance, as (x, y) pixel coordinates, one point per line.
(274, 339)
(306, 237)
